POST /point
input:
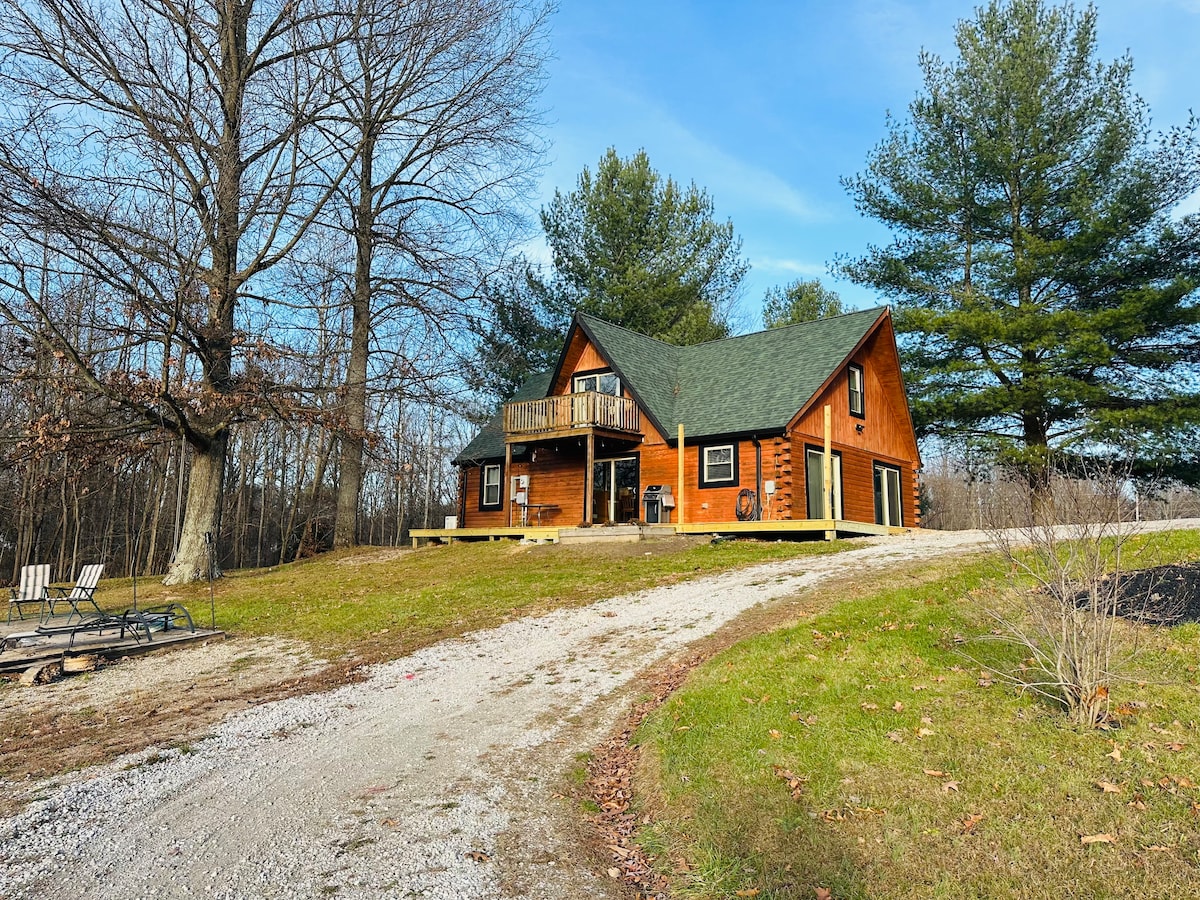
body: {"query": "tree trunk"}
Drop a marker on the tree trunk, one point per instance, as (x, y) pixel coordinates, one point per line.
(350, 465)
(202, 514)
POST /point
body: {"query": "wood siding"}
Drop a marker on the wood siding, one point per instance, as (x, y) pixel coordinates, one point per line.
(886, 437)
(556, 471)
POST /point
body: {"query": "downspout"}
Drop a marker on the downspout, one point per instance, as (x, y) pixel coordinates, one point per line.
(758, 479)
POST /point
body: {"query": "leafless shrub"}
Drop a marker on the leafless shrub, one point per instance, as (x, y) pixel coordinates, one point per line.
(1069, 573)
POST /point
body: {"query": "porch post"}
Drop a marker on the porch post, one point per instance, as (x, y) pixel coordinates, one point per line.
(679, 458)
(507, 476)
(827, 465)
(588, 477)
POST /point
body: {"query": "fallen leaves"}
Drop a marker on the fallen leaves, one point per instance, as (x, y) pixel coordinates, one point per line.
(1102, 838)
(1108, 787)
(477, 856)
(969, 823)
(795, 783)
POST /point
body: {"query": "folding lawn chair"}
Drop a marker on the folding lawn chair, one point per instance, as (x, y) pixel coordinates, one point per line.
(32, 589)
(84, 591)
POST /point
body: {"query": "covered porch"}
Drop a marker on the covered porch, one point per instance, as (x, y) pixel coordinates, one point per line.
(591, 428)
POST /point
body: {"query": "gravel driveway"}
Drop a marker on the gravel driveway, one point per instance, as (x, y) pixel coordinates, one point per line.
(436, 777)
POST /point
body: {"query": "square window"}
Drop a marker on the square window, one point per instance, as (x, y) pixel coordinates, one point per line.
(718, 465)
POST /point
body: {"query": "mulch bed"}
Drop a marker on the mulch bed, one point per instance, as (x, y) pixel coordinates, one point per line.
(1165, 595)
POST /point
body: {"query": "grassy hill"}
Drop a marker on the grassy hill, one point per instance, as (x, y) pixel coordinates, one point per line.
(875, 750)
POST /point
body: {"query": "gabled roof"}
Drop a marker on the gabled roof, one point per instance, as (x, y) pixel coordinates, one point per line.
(745, 384)
(752, 383)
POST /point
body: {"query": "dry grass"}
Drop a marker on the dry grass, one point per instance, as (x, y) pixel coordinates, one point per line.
(347, 609)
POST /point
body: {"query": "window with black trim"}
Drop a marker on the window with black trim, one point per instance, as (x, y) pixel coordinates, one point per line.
(889, 508)
(854, 377)
(814, 482)
(719, 465)
(490, 493)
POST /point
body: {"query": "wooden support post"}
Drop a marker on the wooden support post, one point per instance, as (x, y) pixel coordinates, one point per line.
(679, 486)
(506, 489)
(589, 476)
(827, 466)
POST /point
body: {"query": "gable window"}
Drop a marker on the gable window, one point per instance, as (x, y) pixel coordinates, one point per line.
(489, 488)
(601, 382)
(855, 380)
(719, 465)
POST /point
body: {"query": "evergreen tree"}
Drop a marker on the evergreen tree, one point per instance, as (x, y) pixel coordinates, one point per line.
(626, 246)
(800, 301)
(1046, 288)
(524, 335)
(640, 251)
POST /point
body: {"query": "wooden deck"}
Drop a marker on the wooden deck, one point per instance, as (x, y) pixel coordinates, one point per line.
(827, 529)
(24, 648)
(564, 414)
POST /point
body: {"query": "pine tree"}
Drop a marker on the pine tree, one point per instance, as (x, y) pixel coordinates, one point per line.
(1046, 286)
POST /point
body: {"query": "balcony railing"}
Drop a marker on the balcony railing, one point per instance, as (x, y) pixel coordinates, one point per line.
(565, 411)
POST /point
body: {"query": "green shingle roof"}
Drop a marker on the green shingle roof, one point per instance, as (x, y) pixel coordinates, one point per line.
(745, 384)
(749, 383)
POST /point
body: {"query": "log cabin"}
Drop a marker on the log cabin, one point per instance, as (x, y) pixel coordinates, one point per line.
(808, 421)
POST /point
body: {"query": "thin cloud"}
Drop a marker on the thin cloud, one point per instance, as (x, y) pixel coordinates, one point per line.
(726, 176)
(788, 266)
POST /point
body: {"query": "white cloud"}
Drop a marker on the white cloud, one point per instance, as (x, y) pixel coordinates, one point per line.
(726, 177)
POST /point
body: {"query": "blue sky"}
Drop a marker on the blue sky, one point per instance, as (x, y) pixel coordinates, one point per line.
(766, 104)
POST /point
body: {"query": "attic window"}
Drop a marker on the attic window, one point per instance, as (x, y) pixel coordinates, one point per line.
(855, 379)
(602, 382)
(719, 465)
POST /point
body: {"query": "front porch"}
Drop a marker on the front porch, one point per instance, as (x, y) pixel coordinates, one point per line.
(781, 529)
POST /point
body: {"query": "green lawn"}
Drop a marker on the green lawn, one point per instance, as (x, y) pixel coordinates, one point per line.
(871, 752)
(378, 604)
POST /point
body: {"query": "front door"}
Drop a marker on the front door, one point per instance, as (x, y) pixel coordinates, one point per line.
(615, 490)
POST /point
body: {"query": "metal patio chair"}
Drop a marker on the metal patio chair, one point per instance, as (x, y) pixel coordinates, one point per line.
(83, 592)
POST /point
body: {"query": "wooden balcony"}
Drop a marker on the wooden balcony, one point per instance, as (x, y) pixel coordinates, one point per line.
(567, 414)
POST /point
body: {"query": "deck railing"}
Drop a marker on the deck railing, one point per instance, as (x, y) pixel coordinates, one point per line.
(588, 409)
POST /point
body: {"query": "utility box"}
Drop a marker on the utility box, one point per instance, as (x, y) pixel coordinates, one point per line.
(658, 501)
(451, 522)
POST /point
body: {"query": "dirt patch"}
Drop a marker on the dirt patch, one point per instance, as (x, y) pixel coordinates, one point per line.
(161, 699)
(1164, 595)
(373, 558)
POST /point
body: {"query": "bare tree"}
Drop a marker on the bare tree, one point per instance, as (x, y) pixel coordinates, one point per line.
(161, 151)
(436, 117)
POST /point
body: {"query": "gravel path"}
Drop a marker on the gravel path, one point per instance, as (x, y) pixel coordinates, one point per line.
(435, 777)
